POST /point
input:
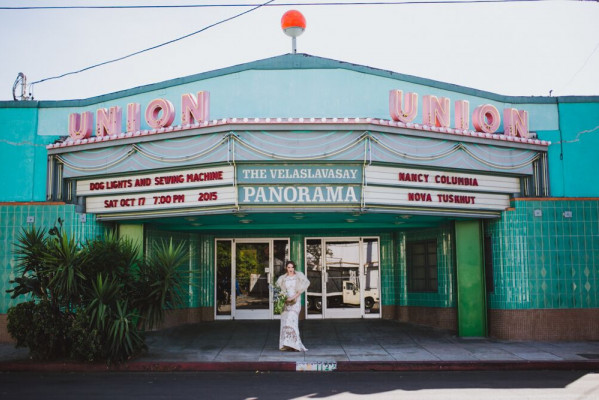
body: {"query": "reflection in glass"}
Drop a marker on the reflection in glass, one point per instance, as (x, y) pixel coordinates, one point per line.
(314, 274)
(223, 277)
(371, 272)
(281, 255)
(251, 277)
(343, 274)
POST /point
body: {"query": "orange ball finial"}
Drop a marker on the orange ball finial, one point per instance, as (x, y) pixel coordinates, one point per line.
(293, 19)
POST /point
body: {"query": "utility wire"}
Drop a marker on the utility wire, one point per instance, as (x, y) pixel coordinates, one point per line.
(373, 3)
(582, 67)
(155, 47)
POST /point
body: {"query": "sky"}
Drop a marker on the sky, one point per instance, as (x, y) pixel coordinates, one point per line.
(525, 48)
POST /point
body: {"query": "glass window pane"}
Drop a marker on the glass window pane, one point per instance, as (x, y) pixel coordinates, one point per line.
(432, 259)
(418, 285)
(280, 256)
(371, 271)
(314, 274)
(421, 259)
(342, 272)
(252, 291)
(432, 285)
(418, 273)
(223, 277)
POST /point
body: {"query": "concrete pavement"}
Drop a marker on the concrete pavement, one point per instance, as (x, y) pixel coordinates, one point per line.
(361, 344)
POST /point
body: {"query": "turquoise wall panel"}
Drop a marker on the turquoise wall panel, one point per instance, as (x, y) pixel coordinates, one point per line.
(445, 296)
(548, 261)
(575, 151)
(13, 219)
(23, 155)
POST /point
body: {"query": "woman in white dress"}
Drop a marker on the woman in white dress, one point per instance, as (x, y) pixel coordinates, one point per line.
(292, 284)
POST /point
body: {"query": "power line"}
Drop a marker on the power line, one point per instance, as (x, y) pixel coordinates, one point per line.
(374, 3)
(155, 47)
(583, 65)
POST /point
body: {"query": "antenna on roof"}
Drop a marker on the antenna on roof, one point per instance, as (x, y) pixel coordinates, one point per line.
(293, 24)
(20, 81)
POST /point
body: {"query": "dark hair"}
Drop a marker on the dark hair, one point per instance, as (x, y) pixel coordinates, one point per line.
(290, 262)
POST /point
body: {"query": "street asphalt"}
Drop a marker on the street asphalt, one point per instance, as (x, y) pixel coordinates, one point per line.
(338, 345)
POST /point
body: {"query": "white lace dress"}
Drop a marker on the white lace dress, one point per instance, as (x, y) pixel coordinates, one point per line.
(290, 337)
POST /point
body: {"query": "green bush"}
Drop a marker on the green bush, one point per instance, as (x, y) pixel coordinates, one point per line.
(123, 340)
(85, 342)
(158, 284)
(94, 300)
(20, 321)
(41, 328)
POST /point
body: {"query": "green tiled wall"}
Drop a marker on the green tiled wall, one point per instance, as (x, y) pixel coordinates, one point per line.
(13, 218)
(389, 273)
(198, 267)
(549, 260)
(445, 295)
(205, 264)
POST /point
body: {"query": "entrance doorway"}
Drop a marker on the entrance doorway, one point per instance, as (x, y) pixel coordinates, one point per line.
(244, 270)
(344, 278)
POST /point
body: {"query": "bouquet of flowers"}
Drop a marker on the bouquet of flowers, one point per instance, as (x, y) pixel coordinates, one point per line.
(279, 299)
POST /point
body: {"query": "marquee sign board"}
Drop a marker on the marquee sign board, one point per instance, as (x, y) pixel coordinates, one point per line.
(395, 196)
(174, 199)
(304, 174)
(409, 187)
(189, 178)
(301, 185)
(300, 195)
(429, 179)
(298, 185)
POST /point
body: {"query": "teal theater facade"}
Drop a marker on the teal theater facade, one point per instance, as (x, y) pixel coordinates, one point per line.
(479, 216)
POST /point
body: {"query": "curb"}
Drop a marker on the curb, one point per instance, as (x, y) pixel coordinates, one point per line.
(341, 366)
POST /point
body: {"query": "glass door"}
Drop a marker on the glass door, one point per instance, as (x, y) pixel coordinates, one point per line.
(343, 297)
(371, 271)
(244, 269)
(252, 271)
(344, 278)
(314, 274)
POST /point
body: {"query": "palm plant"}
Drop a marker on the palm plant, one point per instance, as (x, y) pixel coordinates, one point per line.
(123, 338)
(159, 283)
(106, 292)
(63, 265)
(31, 246)
(101, 291)
(111, 256)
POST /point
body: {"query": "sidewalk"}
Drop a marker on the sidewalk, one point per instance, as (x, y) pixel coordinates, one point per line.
(363, 344)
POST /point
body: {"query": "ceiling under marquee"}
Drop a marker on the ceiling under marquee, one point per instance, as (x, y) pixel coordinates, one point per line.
(318, 221)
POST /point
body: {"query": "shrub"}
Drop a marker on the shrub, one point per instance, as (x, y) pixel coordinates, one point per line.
(20, 321)
(123, 340)
(112, 257)
(63, 265)
(95, 299)
(159, 283)
(41, 328)
(31, 247)
(85, 342)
